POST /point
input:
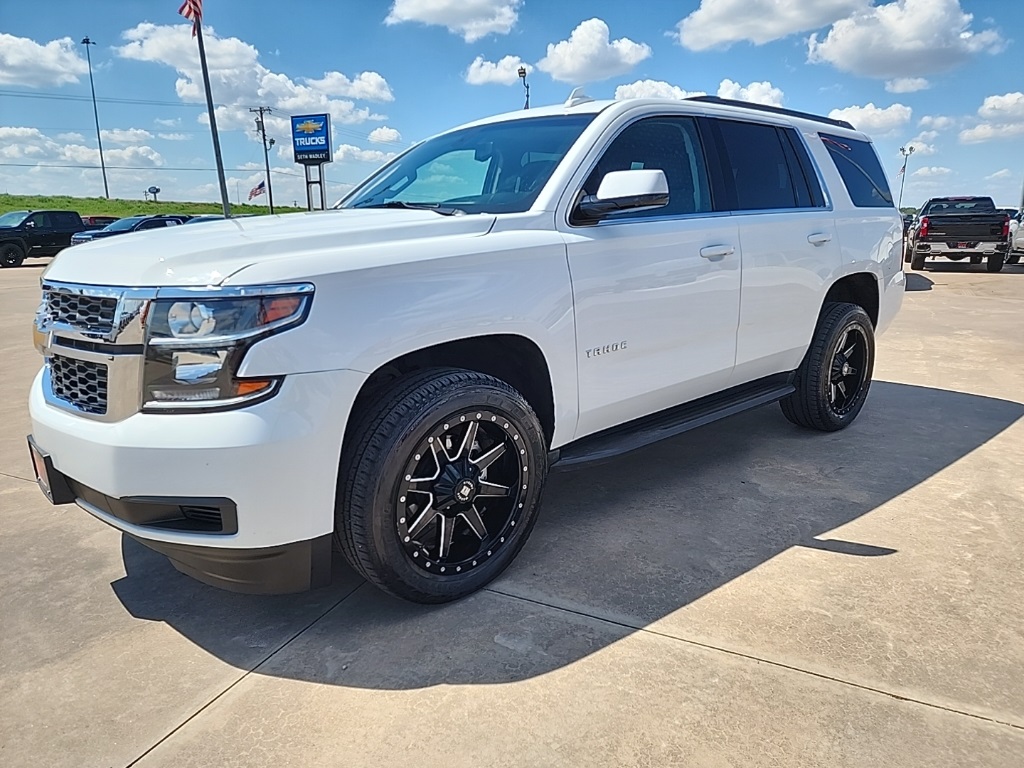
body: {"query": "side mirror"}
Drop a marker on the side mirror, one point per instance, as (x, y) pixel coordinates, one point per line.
(30, 224)
(623, 191)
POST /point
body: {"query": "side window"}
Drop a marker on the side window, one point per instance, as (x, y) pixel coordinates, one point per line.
(805, 181)
(756, 159)
(862, 174)
(670, 144)
(152, 224)
(39, 220)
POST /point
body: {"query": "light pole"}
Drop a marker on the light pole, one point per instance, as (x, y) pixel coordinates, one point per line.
(96, 115)
(526, 85)
(261, 128)
(906, 152)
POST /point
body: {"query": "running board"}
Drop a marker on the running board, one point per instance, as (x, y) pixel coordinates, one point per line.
(672, 421)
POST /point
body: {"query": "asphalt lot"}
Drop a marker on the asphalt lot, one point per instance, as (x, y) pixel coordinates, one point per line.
(746, 595)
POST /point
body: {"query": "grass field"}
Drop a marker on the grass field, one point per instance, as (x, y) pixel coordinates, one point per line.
(98, 206)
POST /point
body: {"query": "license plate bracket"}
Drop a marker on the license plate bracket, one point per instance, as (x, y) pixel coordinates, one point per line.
(52, 483)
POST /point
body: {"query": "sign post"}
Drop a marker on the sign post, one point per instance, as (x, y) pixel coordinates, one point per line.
(311, 145)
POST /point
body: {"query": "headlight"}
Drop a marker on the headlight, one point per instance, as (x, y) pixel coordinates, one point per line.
(196, 344)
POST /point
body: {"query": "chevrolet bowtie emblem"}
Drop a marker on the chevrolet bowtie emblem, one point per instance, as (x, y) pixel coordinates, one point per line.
(308, 127)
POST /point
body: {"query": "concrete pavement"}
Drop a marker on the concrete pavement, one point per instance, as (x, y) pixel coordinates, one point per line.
(747, 594)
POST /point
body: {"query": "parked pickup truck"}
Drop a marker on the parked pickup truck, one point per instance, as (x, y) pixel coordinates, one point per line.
(396, 377)
(36, 233)
(960, 228)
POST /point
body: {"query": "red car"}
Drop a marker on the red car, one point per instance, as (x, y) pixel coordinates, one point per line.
(98, 222)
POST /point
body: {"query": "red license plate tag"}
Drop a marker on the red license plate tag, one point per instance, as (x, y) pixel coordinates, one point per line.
(961, 245)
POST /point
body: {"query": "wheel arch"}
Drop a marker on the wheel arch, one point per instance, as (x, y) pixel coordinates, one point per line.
(860, 288)
(516, 360)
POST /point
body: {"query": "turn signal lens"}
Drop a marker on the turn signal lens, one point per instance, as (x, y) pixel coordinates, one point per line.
(245, 387)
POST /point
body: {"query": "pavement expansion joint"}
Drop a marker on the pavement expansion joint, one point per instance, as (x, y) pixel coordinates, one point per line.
(761, 659)
(17, 477)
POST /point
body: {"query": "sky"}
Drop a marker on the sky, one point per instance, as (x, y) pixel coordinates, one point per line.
(941, 76)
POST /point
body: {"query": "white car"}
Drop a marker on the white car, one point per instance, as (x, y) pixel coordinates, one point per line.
(396, 377)
(1016, 239)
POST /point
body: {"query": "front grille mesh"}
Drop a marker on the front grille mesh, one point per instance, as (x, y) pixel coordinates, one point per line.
(94, 314)
(81, 383)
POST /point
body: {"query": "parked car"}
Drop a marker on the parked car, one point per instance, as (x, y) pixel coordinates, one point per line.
(205, 217)
(960, 228)
(26, 234)
(131, 224)
(533, 290)
(98, 222)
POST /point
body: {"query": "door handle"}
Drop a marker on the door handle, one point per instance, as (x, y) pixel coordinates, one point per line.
(716, 252)
(819, 238)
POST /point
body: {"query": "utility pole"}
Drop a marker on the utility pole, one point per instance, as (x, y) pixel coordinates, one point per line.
(261, 128)
(526, 85)
(906, 152)
(96, 115)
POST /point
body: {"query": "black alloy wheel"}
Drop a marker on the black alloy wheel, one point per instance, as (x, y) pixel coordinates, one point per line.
(440, 483)
(11, 255)
(848, 371)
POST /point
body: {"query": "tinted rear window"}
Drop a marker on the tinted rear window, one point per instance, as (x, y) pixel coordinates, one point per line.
(954, 205)
(862, 174)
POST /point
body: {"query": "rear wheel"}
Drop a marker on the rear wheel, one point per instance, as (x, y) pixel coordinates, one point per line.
(833, 380)
(11, 255)
(995, 262)
(917, 262)
(441, 485)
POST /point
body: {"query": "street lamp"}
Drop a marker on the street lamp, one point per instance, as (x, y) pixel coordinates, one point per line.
(96, 115)
(906, 152)
(526, 85)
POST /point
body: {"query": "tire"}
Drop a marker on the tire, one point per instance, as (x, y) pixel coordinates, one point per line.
(385, 518)
(833, 380)
(995, 262)
(917, 263)
(1013, 258)
(11, 255)
(975, 259)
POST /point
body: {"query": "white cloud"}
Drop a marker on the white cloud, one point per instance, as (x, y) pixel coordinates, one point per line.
(502, 72)
(168, 123)
(25, 62)
(903, 39)
(937, 122)
(473, 19)
(368, 86)
(759, 93)
(932, 171)
(907, 84)
(1003, 118)
(174, 136)
(1005, 173)
(126, 135)
(71, 136)
(590, 56)
(239, 81)
(872, 119)
(720, 23)
(384, 135)
(922, 143)
(653, 89)
(32, 145)
(349, 152)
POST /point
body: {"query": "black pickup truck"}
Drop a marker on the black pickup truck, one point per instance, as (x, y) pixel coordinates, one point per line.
(959, 228)
(36, 233)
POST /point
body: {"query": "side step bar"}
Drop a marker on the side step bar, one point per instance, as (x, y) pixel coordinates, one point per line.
(671, 422)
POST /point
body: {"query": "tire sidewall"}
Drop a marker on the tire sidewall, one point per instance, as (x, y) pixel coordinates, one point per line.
(389, 555)
(11, 255)
(855, 317)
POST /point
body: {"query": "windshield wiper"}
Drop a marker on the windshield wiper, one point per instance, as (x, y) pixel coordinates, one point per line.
(435, 207)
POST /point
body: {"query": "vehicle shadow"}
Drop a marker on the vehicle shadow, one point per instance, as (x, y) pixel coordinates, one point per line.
(917, 282)
(627, 542)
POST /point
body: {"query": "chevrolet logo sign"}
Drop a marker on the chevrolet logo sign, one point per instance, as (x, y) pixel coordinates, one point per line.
(308, 127)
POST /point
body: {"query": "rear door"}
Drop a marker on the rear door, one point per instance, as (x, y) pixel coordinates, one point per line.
(788, 239)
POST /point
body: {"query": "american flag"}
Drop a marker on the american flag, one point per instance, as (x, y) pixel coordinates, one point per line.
(193, 11)
(903, 169)
(258, 190)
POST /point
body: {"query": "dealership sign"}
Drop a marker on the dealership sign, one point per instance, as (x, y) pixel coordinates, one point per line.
(311, 139)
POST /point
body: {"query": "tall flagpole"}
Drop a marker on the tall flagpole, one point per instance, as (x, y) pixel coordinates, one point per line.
(198, 29)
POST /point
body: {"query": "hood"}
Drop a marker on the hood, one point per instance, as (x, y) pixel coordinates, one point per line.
(209, 254)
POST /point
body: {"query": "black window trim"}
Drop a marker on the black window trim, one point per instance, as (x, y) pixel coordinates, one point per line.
(727, 191)
(574, 198)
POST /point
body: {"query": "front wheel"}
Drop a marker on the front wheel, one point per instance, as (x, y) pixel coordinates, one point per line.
(440, 485)
(11, 255)
(833, 380)
(995, 262)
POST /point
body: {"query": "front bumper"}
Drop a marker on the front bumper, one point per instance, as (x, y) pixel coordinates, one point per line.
(270, 470)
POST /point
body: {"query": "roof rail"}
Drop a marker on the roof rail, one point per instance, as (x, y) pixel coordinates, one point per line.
(773, 110)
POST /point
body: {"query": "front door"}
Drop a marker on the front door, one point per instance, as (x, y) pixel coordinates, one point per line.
(656, 292)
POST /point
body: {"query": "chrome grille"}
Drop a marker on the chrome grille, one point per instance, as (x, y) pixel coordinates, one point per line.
(80, 383)
(91, 314)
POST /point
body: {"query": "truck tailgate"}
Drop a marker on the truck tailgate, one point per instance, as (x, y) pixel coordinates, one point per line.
(985, 227)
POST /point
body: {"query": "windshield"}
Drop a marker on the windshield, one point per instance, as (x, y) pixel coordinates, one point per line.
(493, 168)
(13, 219)
(123, 225)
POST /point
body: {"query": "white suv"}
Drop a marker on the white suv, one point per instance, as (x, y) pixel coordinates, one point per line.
(397, 376)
